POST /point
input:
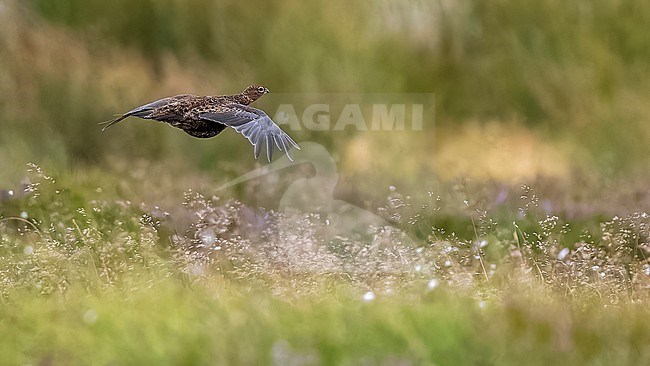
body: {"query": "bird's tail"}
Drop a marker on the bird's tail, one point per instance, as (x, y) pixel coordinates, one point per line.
(109, 123)
(143, 111)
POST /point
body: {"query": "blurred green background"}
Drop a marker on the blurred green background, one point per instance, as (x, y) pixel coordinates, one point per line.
(522, 89)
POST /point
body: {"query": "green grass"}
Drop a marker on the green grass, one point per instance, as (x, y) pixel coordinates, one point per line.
(90, 277)
(172, 323)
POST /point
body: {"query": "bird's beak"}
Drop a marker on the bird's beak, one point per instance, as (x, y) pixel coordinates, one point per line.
(266, 90)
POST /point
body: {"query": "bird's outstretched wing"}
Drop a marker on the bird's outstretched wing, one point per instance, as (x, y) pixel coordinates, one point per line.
(253, 124)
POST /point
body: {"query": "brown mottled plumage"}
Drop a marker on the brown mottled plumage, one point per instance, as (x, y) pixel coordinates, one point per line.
(207, 116)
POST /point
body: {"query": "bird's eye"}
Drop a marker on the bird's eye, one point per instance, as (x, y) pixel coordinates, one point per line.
(260, 89)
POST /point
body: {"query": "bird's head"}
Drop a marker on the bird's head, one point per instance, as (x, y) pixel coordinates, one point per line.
(255, 91)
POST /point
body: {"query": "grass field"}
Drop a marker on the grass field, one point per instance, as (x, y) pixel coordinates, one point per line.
(512, 229)
(91, 277)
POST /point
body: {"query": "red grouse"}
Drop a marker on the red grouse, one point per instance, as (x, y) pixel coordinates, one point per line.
(207, 116)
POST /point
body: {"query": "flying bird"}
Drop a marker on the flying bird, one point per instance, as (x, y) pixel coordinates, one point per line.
(207, 116)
